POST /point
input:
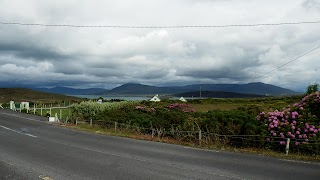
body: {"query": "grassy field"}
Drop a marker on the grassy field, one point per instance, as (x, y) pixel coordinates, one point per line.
(271, 103)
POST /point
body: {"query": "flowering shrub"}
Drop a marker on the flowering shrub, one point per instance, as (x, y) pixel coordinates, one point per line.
(300, 123)
(90, 109)
(181, 107)
(145, 109)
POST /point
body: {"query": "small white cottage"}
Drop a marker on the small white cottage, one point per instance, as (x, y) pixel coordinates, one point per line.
(155, 98)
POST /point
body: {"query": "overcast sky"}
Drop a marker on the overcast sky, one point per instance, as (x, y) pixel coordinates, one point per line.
(107, 57)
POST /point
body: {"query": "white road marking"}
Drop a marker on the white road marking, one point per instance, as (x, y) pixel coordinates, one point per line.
(30, 135)
(210, 150)
(303, 162)
(31, 119)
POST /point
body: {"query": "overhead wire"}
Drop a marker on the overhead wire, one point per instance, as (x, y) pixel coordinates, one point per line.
(157, 27)
(308, 52)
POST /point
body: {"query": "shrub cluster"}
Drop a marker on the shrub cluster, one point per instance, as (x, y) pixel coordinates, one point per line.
(300, 122)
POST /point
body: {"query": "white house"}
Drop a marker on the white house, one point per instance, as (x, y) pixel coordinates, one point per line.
(182, 99)
(155, 98)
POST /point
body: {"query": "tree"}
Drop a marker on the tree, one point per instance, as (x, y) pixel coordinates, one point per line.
(312, 88)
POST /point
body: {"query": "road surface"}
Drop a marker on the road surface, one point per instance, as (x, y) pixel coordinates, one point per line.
(31, 148)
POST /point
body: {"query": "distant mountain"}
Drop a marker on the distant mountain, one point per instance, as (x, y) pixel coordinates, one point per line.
(217, 94)
(251, 88)
(138, 89)
(71, 91)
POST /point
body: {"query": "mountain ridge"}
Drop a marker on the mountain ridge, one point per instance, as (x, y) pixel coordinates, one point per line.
(256, 88)
(250, 88)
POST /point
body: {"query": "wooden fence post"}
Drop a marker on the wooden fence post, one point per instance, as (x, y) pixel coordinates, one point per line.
(90, 122)
(200, 137)
(60, 114)
(115, 126)
(152, 133)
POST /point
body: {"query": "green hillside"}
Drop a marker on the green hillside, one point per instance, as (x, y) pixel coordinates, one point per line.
(22, 94)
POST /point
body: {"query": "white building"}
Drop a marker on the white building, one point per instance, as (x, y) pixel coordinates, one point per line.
(182, 99)
(24, 105)
(155, 98)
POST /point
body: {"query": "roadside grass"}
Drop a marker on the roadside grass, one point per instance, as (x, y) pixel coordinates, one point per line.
(217, 146)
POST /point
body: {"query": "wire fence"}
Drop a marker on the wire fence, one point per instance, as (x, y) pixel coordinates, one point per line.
(204, 138)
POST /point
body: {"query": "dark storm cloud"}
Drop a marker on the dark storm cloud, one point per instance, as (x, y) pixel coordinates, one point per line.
(106, 57)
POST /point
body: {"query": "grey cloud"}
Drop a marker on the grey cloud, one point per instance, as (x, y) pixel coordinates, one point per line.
(311, 4)
(92, 57)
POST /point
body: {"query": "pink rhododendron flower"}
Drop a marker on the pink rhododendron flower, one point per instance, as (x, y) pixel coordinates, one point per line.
(304, 136)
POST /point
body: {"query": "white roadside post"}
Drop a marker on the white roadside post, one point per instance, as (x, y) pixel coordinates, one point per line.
(287, 147)
(60, 114)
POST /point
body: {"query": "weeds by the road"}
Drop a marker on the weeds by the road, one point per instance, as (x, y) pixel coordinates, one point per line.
(216, 146)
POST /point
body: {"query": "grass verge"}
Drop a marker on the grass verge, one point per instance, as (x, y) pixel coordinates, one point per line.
(219, 147)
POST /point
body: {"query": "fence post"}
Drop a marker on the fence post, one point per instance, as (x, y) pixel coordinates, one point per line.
(34, 110)
(41, 110)
(287, 147)
(152, 132)
(60, 113)
(200, 137)
(76, 121)
(50, 113)
(90, 122)
(115, 126)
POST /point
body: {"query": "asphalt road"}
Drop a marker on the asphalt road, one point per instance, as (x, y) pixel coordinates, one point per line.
(31, 148)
